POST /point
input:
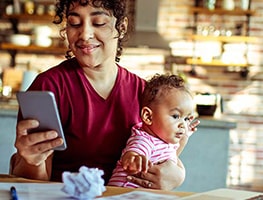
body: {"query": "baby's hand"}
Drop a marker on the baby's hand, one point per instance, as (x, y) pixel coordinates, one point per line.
(134, 163)
(192, 126)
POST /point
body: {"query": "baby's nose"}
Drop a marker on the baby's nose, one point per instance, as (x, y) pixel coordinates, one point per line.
(181, 123)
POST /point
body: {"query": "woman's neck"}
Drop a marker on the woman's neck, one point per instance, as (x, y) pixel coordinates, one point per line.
(102, 79)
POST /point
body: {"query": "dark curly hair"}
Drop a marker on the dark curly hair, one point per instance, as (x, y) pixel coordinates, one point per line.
(117, 7)
(160, 85)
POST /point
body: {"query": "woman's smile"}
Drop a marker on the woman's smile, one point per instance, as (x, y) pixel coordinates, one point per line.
(87, 48)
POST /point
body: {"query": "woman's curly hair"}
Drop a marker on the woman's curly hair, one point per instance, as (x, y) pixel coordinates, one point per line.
(160, 85)
(117, 7)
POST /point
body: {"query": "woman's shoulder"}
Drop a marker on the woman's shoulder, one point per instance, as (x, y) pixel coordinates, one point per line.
(56, 75)
(61, 71)
(129, 78)
(125, 73)
(64, 66)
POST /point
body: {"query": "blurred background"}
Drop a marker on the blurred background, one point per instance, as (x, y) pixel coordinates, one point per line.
(216, 45)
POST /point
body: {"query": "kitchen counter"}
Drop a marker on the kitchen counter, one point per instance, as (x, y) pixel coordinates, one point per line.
(8, 107)
(217, 122)
(8, 114)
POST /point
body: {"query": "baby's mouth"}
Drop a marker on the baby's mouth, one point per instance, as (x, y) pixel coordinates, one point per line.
(178, 135)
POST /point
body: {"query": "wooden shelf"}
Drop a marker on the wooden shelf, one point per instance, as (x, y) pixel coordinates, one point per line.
(231, 39)
(218, 11)
(33, 48)
(29, 17)
(215, 63)
(222, 40)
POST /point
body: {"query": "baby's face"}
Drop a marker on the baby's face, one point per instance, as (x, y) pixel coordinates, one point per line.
(170, 117)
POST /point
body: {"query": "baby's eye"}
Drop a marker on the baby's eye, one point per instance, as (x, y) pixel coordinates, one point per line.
(176, 116)
(187, 119)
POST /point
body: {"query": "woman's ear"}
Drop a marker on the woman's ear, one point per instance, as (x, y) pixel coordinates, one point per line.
(146, 115)
(124, 27)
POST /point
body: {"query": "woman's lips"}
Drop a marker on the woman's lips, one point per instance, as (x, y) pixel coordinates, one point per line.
(87, 48)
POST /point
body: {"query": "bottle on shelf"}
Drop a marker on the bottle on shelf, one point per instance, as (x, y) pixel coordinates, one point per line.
(210, 4)
(29, 7)
(17, 6)
(228, 4)
(244, 4)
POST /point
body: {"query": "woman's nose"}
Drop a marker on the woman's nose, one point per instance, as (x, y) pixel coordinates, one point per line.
(87, 32)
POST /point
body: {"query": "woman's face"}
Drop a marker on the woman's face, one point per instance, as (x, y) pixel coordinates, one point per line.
(92, 35)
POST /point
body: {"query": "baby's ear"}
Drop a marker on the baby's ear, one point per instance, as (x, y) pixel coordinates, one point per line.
(146, 115)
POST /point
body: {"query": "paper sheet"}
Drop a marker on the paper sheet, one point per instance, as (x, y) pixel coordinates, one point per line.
(33, 191)
(140, 195)
(224, 194)
(52, 191)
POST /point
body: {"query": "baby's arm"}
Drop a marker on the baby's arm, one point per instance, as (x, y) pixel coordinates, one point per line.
(134, 163)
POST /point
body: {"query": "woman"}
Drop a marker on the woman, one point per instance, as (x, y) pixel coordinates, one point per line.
(98, 100)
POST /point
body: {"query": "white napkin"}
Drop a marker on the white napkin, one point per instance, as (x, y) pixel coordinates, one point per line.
(85, 185)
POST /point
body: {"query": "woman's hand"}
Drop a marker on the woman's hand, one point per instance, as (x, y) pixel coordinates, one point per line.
(35, 148)
(166, 176)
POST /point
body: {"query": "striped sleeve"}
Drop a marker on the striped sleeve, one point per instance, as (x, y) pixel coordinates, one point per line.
(140, 143)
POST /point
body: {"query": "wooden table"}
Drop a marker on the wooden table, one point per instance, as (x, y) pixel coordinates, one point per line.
(109, 192)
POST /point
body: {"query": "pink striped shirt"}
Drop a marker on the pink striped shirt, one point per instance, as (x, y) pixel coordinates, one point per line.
(145, 144)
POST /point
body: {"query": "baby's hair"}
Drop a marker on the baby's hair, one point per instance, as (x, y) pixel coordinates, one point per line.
(160, 85)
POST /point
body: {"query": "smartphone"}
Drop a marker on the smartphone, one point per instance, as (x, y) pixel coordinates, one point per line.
(41, 105)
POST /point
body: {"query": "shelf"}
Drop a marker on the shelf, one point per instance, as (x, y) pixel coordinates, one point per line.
(33, 48)
(219, 11)
(222, 40)
(13, 50)
(29, 17)
(231, 39)
(215, 63)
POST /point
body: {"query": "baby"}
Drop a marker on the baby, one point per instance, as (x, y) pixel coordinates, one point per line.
(166, 111)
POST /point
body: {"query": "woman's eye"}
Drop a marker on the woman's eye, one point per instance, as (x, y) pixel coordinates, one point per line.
(74, 25)
(73, 21)
(99, 24)
(100, 21)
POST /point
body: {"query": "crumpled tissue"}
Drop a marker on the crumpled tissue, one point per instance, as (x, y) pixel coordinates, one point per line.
(85, 185)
